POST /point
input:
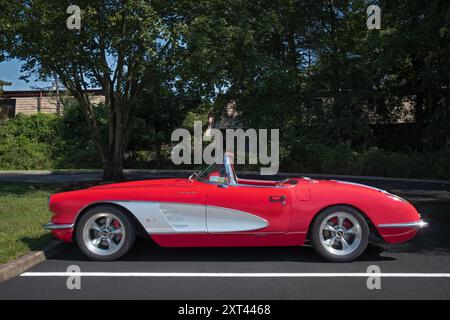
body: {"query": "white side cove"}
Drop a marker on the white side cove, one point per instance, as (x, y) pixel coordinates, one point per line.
(170, 218)
(219, 220)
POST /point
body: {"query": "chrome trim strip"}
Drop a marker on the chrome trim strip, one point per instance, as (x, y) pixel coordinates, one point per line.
(54, 226)
(415, 224)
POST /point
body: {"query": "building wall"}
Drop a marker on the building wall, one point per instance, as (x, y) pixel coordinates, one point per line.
(28, 105)
(48, 104)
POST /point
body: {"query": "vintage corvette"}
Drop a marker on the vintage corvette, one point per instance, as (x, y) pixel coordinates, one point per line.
(215, 208)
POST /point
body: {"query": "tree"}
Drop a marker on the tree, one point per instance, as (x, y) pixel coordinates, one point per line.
(252, 52)
(289, 64)
(5, 32)
(315, 71)
(118, 48)
(3, 83)
(409, 60)
(162, 107)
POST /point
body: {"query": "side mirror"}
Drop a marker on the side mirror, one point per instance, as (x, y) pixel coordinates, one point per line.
(222, 185)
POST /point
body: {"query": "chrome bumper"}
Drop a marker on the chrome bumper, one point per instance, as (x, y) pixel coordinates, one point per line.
(416, 224)
(53, 226)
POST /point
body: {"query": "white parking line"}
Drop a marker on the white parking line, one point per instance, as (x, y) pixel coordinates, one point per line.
(233, 275)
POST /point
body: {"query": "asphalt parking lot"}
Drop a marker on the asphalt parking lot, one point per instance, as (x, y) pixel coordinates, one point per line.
(419, 269)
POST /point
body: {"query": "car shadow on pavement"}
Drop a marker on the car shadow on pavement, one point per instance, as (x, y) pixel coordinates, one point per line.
(36, 243)
(145, 250)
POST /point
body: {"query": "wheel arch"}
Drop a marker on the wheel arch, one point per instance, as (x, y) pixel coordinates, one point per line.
(372, 229)
(139, 228)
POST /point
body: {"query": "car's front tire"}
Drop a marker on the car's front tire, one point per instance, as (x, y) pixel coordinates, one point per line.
(340, 234)
(105, 233)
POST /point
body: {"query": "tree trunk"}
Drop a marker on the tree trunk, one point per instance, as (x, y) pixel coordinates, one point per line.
(158, 159)
(119, 120)
(419, 118)
(113, 160)
(113, 168)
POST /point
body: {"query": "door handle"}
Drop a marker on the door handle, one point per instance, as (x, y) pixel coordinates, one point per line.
(278, 199)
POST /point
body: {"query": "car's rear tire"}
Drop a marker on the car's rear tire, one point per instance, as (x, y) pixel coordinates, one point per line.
(340, 234)
(105, 233)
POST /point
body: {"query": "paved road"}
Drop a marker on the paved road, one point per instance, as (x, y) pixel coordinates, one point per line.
(428, 253)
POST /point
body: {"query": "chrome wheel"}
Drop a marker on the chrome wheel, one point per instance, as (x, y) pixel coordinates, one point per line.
(104, 234)
(340, 233)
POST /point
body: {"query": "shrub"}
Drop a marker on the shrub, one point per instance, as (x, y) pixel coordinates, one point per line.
(45, 141)
(340, 159)
(23, 153)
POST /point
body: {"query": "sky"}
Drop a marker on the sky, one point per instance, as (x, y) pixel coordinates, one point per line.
(10, 72)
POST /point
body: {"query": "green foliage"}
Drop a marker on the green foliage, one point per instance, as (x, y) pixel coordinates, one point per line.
(192, 117)
(315, 71)
(23, 153)
(308, 68)
(341, 159)
(40, 127)
(76, 147)
(3, 83)
(25, 142)
(45, 141)
(413, 165)
(160, 109)
(120, 48)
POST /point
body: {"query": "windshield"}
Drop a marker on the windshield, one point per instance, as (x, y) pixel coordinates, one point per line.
(215, 173)
(220, 173)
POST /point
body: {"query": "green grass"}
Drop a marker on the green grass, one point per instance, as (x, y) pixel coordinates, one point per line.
(23, 212)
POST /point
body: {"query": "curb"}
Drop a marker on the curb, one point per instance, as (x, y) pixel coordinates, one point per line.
(20, 265)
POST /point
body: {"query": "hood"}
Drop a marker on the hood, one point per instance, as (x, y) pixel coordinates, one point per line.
(144, 184)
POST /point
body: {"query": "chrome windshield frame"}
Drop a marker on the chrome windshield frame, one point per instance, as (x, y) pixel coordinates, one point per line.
(228, 164)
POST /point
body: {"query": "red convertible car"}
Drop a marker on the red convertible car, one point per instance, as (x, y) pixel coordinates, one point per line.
(215, 208)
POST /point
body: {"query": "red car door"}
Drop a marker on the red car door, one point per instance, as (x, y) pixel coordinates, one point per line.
(248, 209)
